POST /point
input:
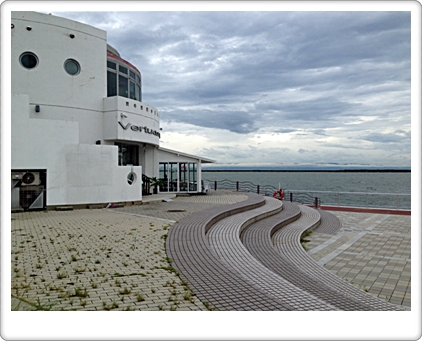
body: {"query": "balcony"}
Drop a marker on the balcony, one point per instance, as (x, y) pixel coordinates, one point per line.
(130, 120)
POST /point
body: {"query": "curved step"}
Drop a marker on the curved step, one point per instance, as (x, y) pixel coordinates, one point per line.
(210, 279)
(287, 243)
(330, 224)
(257, 239)
(224, 239)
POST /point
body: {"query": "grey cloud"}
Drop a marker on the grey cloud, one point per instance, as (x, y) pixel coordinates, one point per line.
(237, 68)
(387, 138)
(234, 121)
(285, 130)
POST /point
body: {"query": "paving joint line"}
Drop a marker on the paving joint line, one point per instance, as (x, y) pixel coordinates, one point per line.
(144, 216)
(342, 248)
(377, 256)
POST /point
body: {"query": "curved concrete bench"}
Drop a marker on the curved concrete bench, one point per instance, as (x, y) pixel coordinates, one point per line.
(211, 279)
(287, 243)
(224, 239)
(257, 239)
(330, 224)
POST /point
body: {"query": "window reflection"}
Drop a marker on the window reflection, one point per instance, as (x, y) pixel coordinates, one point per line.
(132, 91)
(119, 84)
(123, 88)
(128, 154)
(179, 176)
(111, 84)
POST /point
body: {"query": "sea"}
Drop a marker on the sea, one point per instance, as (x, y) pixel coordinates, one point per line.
(354, 188)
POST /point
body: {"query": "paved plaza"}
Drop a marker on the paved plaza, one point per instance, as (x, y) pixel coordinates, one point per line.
(371, 251)
(115, 259)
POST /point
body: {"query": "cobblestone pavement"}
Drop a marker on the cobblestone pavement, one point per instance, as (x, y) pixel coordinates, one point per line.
(371, 251)
(114, 259)
(104, 259)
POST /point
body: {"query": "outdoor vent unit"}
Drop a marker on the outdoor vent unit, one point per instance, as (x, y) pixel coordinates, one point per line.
(16, 176)
(31, 179)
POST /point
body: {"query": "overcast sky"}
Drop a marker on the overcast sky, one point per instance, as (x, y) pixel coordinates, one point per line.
(273, 88)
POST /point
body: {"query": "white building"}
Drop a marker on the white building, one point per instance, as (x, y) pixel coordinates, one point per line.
(80, 131)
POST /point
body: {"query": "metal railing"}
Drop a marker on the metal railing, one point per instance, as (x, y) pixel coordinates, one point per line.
(362, 199)
(317, 198)
(267, 190)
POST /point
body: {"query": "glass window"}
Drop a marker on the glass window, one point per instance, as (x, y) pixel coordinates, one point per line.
(123, 69)
(72, 67)
(28, 60)
(132, 74)
(131, 178)
(183, 177)
(138, 93)
(173, 177)
(111, 84)
(138, 79)
(111, 65)
(123, 86)
(163, 168)
(128, 154)
(132, 90)
(193, 182)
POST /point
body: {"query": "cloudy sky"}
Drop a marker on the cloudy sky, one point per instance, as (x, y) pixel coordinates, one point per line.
(273, 88)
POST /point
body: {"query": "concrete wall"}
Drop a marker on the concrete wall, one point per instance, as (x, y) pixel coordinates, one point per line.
(49, 84)
(74, 112)
(134, 117)
(61, 136)
(76, 173)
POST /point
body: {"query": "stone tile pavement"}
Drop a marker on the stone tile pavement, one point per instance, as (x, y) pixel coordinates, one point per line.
(114, 259)
(371, 251)
(101, 259)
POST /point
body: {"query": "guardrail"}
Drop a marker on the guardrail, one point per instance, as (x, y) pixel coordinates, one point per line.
(318, 198)
(267, 190)
(362, 199)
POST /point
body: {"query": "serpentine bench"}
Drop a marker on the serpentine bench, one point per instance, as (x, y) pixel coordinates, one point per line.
(211, 280)
(257, 239)
(224, 239)
(345, 295)
(269, 270)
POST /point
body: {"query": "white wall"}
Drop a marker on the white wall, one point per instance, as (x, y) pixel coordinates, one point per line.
(74, 113)
(76, 173)
(61, 136)
(49, 84)
(132, 120)
(92, 175)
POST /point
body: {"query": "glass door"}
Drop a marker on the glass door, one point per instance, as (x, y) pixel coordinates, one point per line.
(183, 177)
(173, 177)
(163, 169)
(193, 173)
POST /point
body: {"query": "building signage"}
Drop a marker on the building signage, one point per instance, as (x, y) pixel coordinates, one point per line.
(140, 129)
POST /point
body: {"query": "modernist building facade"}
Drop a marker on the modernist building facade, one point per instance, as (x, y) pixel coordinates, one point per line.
(80, 131)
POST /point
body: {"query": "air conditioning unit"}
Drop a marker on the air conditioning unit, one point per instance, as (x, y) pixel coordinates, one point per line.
(31, 179)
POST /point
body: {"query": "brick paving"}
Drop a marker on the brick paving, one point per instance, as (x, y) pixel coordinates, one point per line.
(115, 259)
(102, 259)
(257, 239)
(353, 299)
(93, 260)
(209, 276)
(371, 251)
(225, 242)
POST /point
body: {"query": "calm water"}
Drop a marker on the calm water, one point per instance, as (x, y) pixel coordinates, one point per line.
(332, 181)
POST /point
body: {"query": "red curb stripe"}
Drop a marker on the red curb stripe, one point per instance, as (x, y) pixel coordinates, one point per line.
(366, 210)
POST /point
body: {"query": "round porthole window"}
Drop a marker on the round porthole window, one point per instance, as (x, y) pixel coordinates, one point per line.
(131, 178)
(72, 67)
(28, 60)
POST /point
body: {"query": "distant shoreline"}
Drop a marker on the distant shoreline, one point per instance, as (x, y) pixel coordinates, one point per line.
(308, 170)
